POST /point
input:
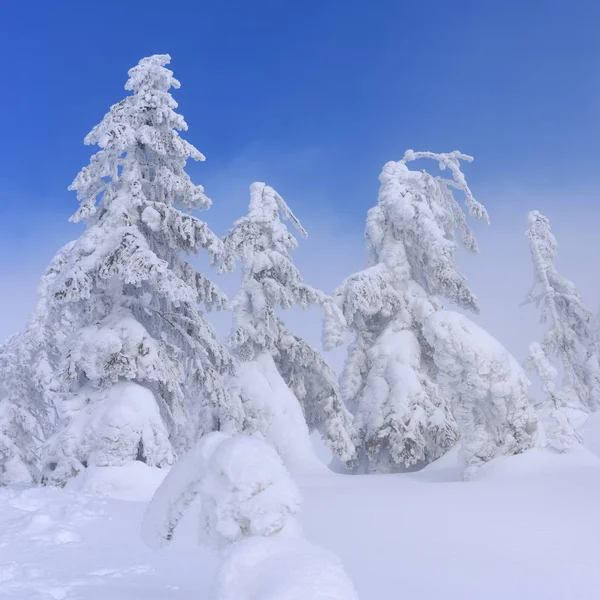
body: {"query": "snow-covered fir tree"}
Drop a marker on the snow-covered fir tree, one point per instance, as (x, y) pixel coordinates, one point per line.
(486, 387)
(389, 378)
(261, 340)
(570, 344)
(135, 295)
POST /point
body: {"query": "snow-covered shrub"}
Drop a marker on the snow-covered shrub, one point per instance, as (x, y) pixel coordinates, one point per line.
(486, 386)
(389, 377)
(244, 488)
(246, 491)
(126, 278)
(248, 505)
(107, 428)
(271, 281)
(569, 345)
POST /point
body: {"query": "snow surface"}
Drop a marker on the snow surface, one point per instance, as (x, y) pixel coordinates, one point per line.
(524, 528)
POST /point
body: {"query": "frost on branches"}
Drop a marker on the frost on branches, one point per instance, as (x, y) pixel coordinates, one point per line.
(21, 434)
(389, 378)
(30, 387)
(570, 343)
(270, 280)
(487, 388)
(248, 508)
(136, 297)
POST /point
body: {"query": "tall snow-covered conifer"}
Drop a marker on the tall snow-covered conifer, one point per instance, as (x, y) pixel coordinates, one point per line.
(389, 378)
(270, 280)
(570, 344)
(136, 296)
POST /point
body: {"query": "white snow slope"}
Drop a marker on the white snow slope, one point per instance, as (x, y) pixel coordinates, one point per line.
(525, 528)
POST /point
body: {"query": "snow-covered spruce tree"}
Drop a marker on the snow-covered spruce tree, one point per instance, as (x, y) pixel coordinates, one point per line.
(569, 345)
(268, 350)
(389, 378)
(486, 386)
(135, 294)
(30, 389)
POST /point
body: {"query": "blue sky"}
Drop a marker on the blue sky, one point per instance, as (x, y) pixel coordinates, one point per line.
(313, 97)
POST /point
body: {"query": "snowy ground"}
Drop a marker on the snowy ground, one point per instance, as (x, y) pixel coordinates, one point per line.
(527, 528)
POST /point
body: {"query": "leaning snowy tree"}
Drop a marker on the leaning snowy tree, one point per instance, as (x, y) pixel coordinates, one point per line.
(389, 378)
(569, 345)
(261, 340)
(141, 344)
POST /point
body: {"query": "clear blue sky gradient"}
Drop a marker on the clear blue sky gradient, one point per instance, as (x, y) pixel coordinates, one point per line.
(312, 97)
(514, 83)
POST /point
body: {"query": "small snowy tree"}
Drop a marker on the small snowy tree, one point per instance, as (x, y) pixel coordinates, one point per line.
(135, 294)
(21, 434)
(487, 388)
(30, 389)
(389, 378)
(270, 280)
(248, 514)
(570, 343)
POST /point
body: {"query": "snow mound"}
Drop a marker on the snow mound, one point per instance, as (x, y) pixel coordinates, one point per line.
(538, 462)
(534, 463)
(282, 568)
(109, 428)
(590, 432)
(446, 468)
(273, 410)
(134, 481)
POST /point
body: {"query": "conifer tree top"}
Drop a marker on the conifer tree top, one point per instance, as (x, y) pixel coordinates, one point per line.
(142, 128)
(135, 297)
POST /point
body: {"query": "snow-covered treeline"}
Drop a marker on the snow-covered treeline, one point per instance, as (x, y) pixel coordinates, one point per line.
(120, 363)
